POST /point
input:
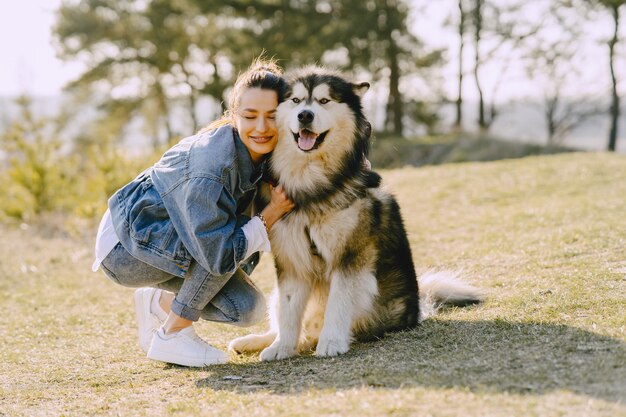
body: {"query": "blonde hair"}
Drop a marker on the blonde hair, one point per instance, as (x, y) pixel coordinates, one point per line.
(262, 73)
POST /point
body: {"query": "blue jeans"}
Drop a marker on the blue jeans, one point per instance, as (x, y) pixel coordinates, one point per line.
(228, 299)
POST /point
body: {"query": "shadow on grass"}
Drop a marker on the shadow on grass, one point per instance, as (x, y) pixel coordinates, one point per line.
(484, 356)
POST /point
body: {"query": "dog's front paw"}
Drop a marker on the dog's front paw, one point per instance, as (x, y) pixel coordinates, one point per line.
(331, 347)
(277, 352)
(251, 343)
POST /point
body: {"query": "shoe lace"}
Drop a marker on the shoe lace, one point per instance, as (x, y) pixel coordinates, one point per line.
(194, 336)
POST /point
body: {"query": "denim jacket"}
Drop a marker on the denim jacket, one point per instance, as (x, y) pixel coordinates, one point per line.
(189, 205)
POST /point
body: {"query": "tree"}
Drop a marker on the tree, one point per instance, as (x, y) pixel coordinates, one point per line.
(160, 51)
(353, 35)
(614, 8)
(554, 63)
(143, 57)
(504, 30)
(461, 28)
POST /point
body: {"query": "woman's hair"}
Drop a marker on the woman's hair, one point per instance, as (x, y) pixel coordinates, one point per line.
(264, 74)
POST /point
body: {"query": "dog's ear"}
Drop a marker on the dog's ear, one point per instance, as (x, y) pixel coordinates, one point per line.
(360, 88)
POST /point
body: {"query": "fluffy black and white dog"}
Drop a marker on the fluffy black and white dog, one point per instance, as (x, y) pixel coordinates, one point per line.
(343, 260)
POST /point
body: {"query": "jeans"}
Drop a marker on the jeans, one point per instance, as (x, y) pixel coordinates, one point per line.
(228, 299)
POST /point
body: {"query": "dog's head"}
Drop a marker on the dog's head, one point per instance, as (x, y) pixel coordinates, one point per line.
(323, 136)
(322, 110)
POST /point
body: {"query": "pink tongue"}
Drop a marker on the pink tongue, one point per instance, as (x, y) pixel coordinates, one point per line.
(306, 140)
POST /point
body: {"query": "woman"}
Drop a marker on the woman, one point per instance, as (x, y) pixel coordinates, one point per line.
(180, 226)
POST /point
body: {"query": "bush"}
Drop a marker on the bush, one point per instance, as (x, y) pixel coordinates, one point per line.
(37, 174)
(45, 176)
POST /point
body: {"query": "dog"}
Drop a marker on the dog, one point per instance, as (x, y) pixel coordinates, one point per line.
(342, 256)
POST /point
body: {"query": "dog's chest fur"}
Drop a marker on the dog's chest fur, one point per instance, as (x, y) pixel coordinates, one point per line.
(310, 246)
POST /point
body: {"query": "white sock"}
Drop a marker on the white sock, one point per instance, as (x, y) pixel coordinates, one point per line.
(155, 307)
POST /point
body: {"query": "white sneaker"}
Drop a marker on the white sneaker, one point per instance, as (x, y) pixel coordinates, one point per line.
(184, 348)
(148, 322)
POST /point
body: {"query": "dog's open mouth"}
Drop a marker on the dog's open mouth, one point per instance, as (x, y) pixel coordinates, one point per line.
(308, 140)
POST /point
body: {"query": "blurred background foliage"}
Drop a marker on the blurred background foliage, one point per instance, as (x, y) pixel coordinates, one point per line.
(155, 62)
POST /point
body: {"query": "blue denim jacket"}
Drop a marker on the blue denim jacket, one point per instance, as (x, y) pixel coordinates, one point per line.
(189, 205)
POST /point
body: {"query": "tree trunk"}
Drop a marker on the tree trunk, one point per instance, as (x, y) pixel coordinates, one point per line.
(459, 101)
(393, 121)
(192, 111)
(193, 99)
(615, 97)
(551, 106)
(395, 100)
(482, 124)
(163, 117)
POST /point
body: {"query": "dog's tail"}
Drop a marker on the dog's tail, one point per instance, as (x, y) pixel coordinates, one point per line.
(441, 288)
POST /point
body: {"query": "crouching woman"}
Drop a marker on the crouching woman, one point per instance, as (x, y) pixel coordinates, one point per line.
(179, 228)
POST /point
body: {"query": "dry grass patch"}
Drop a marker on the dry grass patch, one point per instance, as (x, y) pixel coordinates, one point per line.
(545, 235)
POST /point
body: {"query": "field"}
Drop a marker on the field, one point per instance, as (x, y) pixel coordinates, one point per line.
(545, 236)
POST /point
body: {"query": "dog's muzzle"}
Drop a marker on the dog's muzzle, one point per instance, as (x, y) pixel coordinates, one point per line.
(308, 140)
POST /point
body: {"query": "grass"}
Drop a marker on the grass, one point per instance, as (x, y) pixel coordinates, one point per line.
(546, 236)
(396, 152)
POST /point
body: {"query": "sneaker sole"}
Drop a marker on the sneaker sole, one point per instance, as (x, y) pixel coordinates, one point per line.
(168, 357)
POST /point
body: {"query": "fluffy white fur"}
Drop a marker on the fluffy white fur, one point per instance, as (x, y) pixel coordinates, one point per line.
(438, 288)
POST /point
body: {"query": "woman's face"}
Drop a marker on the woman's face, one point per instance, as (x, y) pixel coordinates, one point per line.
(255, 121)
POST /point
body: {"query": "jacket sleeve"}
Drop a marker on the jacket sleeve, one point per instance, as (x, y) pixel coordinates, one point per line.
(204, 215)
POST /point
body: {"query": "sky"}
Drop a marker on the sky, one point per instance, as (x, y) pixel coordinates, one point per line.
(29, 64)
(28, 61)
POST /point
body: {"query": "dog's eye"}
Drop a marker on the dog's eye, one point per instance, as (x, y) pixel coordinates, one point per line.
(324, 101)
(295, 100)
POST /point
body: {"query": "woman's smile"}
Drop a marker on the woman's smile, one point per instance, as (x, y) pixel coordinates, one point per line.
(261, 139)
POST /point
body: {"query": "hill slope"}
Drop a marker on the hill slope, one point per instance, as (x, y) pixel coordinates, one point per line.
(546, 236)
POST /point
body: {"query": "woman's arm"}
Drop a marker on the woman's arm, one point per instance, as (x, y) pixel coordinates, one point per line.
(204, 215)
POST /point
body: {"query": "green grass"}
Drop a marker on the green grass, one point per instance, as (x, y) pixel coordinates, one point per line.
(546, 236)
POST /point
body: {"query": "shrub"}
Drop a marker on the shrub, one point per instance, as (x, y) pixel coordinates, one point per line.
(36, 175)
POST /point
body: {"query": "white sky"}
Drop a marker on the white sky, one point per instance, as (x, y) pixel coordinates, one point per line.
(27, 59)
(28, 63)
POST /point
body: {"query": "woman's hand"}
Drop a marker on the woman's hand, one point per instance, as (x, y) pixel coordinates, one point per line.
(278, 206)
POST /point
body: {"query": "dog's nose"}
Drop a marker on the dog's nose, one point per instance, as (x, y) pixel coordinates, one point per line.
(305, 116)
